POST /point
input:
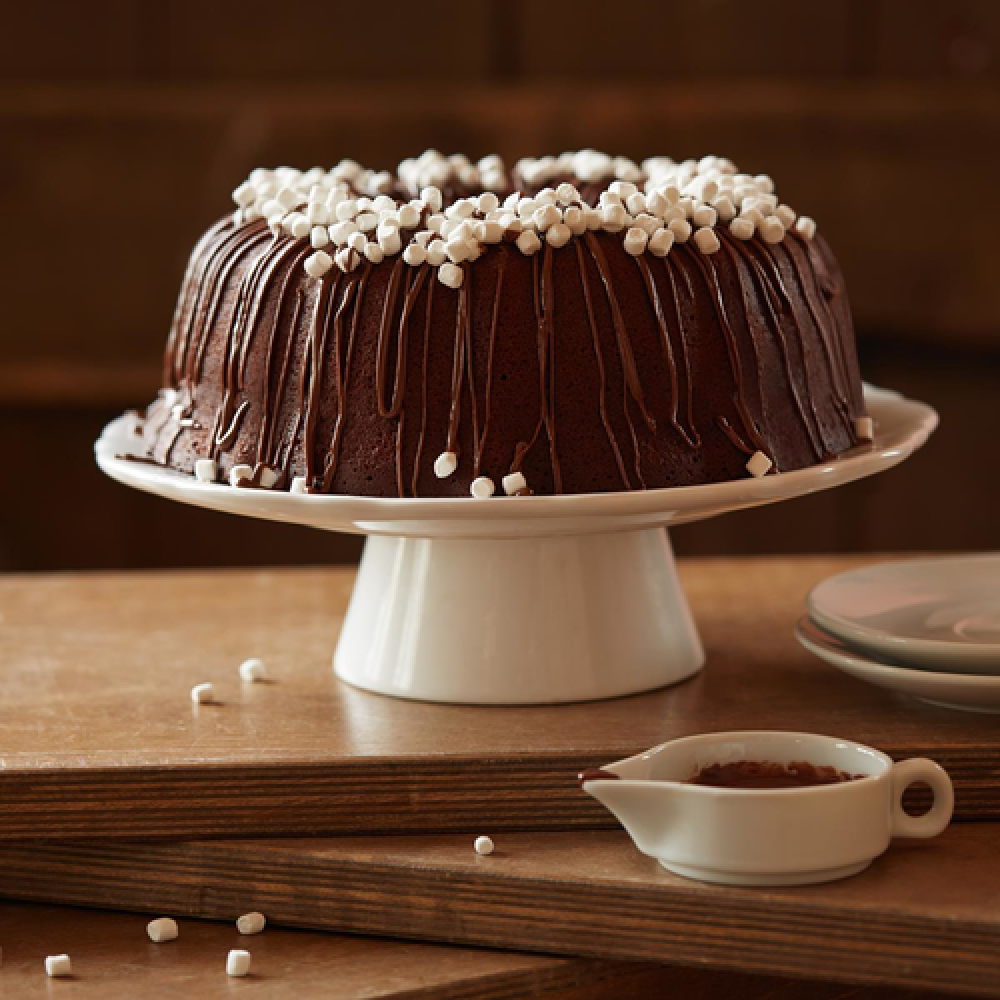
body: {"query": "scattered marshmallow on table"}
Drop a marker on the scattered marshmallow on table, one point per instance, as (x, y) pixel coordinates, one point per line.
(58, 965)
(162, 929)
(253, 669)
(251, 923)
(202, 694)
(299, 485)
(482, 488)
(483, 845)
(759, 464)
(238, 963)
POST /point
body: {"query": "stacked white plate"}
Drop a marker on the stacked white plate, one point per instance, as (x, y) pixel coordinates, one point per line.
(929, 628)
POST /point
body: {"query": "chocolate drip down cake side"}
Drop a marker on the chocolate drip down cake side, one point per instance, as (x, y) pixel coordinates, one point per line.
(575, 324)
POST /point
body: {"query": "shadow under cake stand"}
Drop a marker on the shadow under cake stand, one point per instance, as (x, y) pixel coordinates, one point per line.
(522, 600)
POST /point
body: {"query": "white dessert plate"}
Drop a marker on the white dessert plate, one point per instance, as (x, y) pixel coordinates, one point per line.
(935, 614)
(967, 692)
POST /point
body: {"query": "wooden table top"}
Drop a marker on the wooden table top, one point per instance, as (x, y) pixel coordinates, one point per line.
(101, 738)
(925, 915)
(113, 958)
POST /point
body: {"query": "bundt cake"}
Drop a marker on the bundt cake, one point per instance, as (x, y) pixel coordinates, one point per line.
(576, 324)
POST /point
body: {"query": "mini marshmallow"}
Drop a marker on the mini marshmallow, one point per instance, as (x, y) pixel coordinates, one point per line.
(635, 241)
(864, 427)
(482, 488)
(347, 260)
(318, 263)
(492, 232)
(251, 923)
(253, 670)
(450, 274)
(681, 229)
(409, 216)
(724, 207)
(771, 230)
(742, 228)
(268, 477)
(660, 242)
(436, 253)
(299, 485)
(759, 464)
(805, 226)
(547, 216)
(558, 235)
(706, 240)
(575, 220)
(459, 250)
(347, 210)
(205, 470)
(341, 232)
(786, 215)
(414, 255)
(636, 203)
(483, 846)
(319, 237)
(298, 225)
(614, 218)
(513, 483)
(239, 473)
(373, 252)
(238, 963)
(366, 221)
(202, 694)
(391, 244)
(487, 202)
(567, 194)
(528, 243)
(704, 215)
(445, 464)
(431, 196)
(162, 929)
(647, 223)
(58, 965)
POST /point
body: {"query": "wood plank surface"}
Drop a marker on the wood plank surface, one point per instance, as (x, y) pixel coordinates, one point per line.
(925, 915)
(112, 957)
(101, 738)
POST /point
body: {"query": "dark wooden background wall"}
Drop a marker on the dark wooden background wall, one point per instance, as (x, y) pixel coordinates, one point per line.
(124, 124)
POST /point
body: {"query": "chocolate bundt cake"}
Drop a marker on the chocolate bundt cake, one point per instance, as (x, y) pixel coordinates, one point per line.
(575, 324)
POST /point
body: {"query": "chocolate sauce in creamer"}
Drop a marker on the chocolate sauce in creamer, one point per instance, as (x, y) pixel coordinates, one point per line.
(265, 312)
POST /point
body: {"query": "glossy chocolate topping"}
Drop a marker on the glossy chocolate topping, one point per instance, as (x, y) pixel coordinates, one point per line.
(584, 367)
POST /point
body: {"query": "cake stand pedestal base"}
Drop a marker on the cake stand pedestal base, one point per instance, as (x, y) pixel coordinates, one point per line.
(518, 621)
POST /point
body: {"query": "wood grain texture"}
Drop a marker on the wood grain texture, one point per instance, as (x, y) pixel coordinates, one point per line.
(101, 739)
(925, 915)
(112, 957)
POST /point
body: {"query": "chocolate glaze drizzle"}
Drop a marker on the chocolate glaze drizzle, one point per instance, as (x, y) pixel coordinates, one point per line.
(286, 352)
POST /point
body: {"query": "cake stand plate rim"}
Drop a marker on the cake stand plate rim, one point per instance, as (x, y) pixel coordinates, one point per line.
(910, 423)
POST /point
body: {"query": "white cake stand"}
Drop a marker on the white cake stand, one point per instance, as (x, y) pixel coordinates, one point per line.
(522, 600)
